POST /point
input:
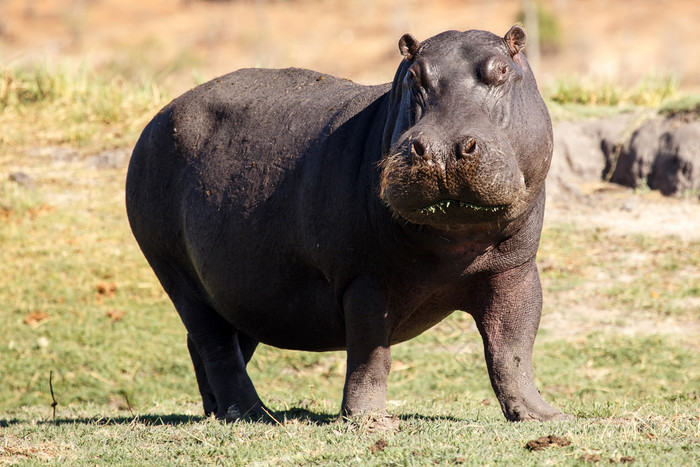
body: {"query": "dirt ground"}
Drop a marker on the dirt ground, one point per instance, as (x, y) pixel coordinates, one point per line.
(623, 41)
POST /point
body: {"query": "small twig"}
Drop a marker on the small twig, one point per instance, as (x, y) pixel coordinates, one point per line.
(53, 398)
(128, 404)
(277, 421)
(200, 439)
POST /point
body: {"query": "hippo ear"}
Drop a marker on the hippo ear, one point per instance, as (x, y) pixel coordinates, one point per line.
(515, 39)
(408, 45)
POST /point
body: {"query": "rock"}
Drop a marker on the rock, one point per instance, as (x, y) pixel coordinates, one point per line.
(676, 168)
(22, 179)
(582, 151)
(636, 158)
(575, 158)
(663, 154)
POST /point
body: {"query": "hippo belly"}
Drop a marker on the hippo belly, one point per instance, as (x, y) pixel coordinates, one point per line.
(292, 308)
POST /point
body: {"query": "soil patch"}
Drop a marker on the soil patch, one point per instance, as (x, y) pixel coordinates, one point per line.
(544, 442)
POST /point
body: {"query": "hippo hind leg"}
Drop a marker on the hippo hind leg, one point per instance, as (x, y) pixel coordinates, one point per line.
(223, 381)
(219, 354)
(246, 345)
(208, 398)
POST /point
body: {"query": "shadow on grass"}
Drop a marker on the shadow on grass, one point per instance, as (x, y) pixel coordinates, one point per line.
(149, 420)
(175, 419)
(299, 414)
(170, 419)
(433, 418)
(5, 423)
(305, 416)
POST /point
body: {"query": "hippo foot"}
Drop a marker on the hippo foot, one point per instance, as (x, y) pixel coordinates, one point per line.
(257, 413)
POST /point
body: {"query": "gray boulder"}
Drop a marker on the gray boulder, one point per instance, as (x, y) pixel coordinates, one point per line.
(676, 168)
(583, 151)
(662, 153)
(633, 163)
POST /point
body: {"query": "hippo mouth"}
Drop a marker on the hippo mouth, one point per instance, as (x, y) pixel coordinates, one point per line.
(451, 214)
(443, 205)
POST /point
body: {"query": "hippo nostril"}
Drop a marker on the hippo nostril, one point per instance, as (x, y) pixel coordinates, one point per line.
(418, 150)
(467, 149)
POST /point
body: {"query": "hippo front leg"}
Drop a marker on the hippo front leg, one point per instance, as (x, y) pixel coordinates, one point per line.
(508, 326)
(368, 352)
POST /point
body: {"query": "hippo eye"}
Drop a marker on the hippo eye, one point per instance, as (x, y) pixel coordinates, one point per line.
(494, 71)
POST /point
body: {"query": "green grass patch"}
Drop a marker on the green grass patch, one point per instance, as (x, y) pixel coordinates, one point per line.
(651, 91)
(76, 299)
(575, 97)
(688, 104)
(51, 105)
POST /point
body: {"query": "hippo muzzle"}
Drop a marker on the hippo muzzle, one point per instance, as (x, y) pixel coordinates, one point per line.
(451, 184)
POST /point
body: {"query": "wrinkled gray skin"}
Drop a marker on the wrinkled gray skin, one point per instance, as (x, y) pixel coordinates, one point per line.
(307, 212)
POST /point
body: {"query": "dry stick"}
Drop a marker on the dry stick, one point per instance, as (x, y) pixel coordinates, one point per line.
(128, 404)
(54, 403)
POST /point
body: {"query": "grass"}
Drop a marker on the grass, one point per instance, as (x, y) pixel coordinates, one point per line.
(80, 108)
(576, 97)
(640, 274)
(79, 301)
(651, 91)
(459, 439)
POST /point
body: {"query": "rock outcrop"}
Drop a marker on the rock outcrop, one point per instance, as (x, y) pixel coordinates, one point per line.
(633, 150)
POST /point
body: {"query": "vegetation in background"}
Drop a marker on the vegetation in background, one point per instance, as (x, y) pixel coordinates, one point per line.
(57, 106)
(574, 97)
(683, 105)
(651, 91)
(549, 28)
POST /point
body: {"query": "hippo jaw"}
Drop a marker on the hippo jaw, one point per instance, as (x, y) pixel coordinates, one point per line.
(450, 213)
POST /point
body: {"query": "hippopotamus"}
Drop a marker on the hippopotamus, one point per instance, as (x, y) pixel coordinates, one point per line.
(303, 211)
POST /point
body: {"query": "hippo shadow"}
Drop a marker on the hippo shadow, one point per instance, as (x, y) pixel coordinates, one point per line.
(278, 417)
(148, 419)
(307, 416)
(303, 415)
(281, 416)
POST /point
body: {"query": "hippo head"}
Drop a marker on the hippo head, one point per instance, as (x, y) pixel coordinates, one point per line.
(468, 139)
